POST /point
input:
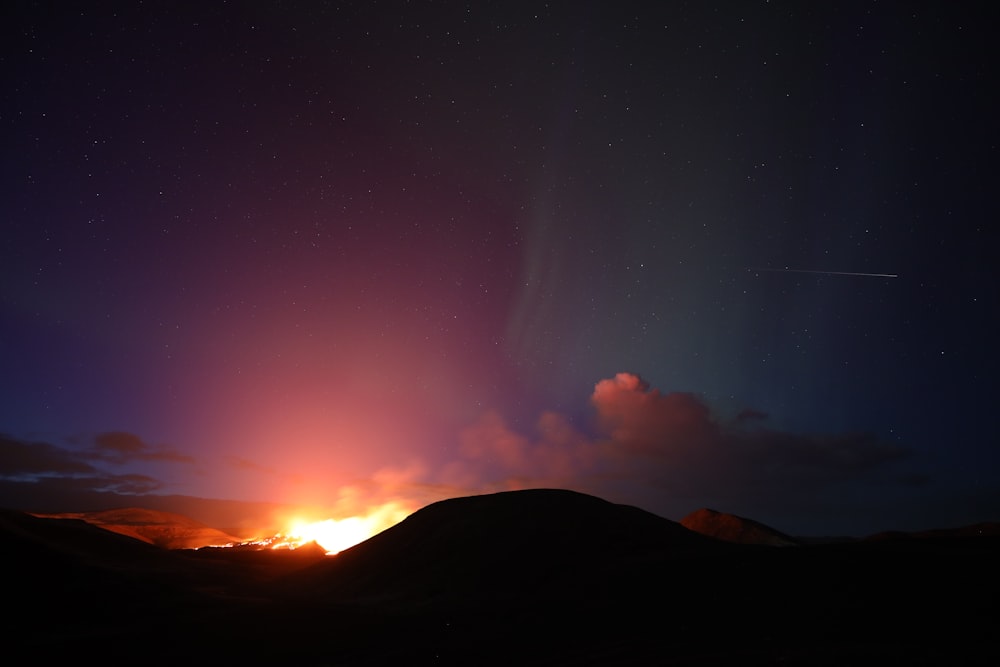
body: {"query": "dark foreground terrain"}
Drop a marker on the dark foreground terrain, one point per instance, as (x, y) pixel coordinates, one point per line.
(540, 577)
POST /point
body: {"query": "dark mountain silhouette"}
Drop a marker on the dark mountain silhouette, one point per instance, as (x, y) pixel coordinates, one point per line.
(542, 577)
(164, 529)
(732, 528)
(27, 540)
(73, 582)
(502, 543)
(247, 520)
(985, 529)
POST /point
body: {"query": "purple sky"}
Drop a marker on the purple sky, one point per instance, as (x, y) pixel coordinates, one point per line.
(346, 253)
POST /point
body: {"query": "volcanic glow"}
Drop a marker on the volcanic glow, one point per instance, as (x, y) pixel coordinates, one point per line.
(332, 534)
(335, 535)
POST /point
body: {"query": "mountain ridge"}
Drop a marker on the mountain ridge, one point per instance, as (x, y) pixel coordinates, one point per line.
(167, 530)
(498, 533)
(733, 528)
(538, 577)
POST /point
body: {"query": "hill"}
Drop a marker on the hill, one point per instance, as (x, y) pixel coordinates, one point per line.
(732, 528)
(163, 529)
(541, 577)
(505, 543)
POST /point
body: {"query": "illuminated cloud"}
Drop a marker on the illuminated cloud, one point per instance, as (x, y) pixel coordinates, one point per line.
(558, 453)
(666, 452)
(120, 447)
(240, 463)
(654, 449)
(491, 440)
(641, 420)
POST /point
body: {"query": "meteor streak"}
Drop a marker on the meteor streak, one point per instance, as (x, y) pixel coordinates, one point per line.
(830, 273)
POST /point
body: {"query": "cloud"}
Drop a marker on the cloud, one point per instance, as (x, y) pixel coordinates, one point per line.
(120, 447)
(836, 455)
(129, 484)
(667, 452)
(664, 451)
(20, 459)
(33, 473)
(556, 452)
(246, 464)
(679, 428)
(643, 421)
(491, 440)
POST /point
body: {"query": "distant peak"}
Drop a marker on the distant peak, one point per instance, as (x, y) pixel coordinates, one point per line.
(732, 528)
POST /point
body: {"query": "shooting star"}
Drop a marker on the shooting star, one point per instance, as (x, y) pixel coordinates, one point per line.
(829, 273)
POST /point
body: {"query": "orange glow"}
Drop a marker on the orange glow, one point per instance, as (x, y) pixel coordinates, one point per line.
(335, 535)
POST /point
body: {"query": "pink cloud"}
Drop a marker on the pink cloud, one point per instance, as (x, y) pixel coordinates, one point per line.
(557, 451)
(642, 420)
(649, 446)
(490, 440)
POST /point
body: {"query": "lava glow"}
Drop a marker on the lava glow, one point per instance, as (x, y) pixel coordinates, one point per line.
(332, 534)
(335, 535)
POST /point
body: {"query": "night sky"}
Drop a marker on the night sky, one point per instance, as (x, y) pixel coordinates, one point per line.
(351, 253)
